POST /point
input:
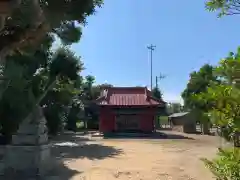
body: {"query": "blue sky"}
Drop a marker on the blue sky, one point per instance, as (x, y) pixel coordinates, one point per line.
(114, 43)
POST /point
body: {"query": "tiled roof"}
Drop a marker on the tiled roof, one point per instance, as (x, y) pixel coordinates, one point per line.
(128, 96)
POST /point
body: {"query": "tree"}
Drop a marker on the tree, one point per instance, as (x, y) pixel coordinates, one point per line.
(225, 104)
(88, 87)
(157, 93)
(225, 112)
(18, 76)
(198, 83)
(224, 7)
(25, 24)
(59, 101)
(42, 78)
(225, 98)
(174, 108)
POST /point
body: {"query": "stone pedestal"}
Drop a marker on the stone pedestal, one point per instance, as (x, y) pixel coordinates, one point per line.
(27, 161)
(2, 163)
(29, 153)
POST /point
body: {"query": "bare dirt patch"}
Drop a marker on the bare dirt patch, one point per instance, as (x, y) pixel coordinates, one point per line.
(136, 159)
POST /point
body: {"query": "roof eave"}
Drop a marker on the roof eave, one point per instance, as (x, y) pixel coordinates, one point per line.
(114, 105)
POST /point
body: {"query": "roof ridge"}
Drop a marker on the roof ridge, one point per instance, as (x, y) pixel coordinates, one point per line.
(105, 93)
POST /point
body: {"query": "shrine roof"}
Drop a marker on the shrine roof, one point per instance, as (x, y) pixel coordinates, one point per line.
(128, 96)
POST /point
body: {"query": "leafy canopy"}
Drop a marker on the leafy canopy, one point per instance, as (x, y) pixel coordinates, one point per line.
(50, 79)
(32, 19)
(224, 7)
(225, 97)
(157, 93)
(199, 82)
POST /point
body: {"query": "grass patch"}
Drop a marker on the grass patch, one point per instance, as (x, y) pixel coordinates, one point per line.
(80, 125)
(163, 119)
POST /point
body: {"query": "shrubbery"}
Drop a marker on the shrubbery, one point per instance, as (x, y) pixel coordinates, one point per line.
(226, 166)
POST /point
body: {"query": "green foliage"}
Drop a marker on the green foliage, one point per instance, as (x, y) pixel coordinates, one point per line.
(229, 68)
(65, 64)
(225, 111)
(224, 7)
(31, 20)
(227, 165)
(174, 108)
(198, 83)
(88, 88)
(59, 103)
(225, 97)
(50, 79)
(157, 93)
(163, 120)
(71, 120)
(33, 74)
(18, 79)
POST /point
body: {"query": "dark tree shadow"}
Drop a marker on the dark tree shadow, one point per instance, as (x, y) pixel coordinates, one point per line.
(154, 135)
(58, 171)
(76, 146)
(69, 147)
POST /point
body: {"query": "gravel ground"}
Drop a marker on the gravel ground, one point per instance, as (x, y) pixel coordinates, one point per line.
(176, 157)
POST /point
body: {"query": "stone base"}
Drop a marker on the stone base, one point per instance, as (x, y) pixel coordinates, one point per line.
(24, 139)
(2, 163)
(27, 161)
(2, 167)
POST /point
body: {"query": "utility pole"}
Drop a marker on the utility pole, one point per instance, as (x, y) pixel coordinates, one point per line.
(160, 77)
(151, 48)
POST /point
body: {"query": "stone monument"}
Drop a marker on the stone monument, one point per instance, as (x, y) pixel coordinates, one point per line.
(29, 153)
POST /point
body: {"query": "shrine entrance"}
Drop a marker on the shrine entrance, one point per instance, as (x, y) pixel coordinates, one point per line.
(127, 122)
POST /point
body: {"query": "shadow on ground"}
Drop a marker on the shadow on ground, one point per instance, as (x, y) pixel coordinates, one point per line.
(58, 171)
(155, 135)
(76, 146)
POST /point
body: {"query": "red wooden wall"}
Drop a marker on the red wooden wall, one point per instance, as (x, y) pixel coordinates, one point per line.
(107, 120)
(147, 122)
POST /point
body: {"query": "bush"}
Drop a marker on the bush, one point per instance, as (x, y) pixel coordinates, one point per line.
(92, 125)
(227, 164)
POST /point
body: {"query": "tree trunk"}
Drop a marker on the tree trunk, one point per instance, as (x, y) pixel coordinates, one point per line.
(205, 128)
(236, 139)
(85, 124)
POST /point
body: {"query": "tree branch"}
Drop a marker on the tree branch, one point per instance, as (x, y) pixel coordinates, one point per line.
(21, 39)
(15, 37)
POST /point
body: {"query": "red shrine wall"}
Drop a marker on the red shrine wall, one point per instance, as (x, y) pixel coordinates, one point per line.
(107, 120)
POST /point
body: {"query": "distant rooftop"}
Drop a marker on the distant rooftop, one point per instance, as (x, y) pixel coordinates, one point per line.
(178, 114)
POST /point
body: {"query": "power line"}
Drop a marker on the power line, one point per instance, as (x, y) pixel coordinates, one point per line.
(151, 48)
